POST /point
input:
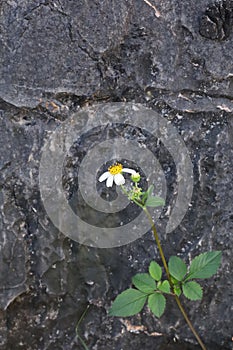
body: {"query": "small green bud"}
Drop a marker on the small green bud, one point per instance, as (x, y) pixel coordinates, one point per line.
(135, 177)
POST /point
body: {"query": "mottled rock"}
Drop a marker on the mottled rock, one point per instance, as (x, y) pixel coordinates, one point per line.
(55, 46)
(57, 57)
(216, 23)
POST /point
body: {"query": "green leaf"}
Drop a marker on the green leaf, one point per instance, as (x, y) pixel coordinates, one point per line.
(177, 267)
(177, 290)
(144, 282)
(157, 303)
(128, 303)
(192, 290)
(164, 287)
(147, 193)
(150, 190)
(205, 265)
(174, 281)
(155, 271)
(144, 196)
(153, 201)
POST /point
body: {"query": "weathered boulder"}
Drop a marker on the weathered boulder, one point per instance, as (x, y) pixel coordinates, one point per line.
(56, 58)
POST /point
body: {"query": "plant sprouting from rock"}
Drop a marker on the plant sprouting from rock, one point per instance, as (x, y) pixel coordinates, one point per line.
(151, 287)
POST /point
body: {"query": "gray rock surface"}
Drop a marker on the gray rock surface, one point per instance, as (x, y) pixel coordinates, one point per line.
(58, 56)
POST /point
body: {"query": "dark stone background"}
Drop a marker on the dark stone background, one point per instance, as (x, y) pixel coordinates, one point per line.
(56, 57)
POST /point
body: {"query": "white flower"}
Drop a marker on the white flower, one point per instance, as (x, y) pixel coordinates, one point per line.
(114, 174)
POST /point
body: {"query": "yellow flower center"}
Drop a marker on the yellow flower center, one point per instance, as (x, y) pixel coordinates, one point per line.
(115, 169)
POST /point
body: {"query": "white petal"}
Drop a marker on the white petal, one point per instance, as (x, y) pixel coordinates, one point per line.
(104, 176)
(109, 182)
(127, 170)
(119, 179)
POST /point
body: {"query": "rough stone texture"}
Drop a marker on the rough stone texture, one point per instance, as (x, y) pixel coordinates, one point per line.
(52, 45)
(57, 56)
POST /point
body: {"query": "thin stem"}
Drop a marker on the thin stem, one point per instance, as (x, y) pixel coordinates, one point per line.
(158, 244)
(77, 327)
(189, 323)
(169, 279)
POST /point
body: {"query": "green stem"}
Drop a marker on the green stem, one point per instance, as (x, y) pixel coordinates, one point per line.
(189, 323)
(77, 327)
(170, 281)
(158, 244)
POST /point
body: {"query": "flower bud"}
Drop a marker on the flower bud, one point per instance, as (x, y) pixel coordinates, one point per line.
(135, 177)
